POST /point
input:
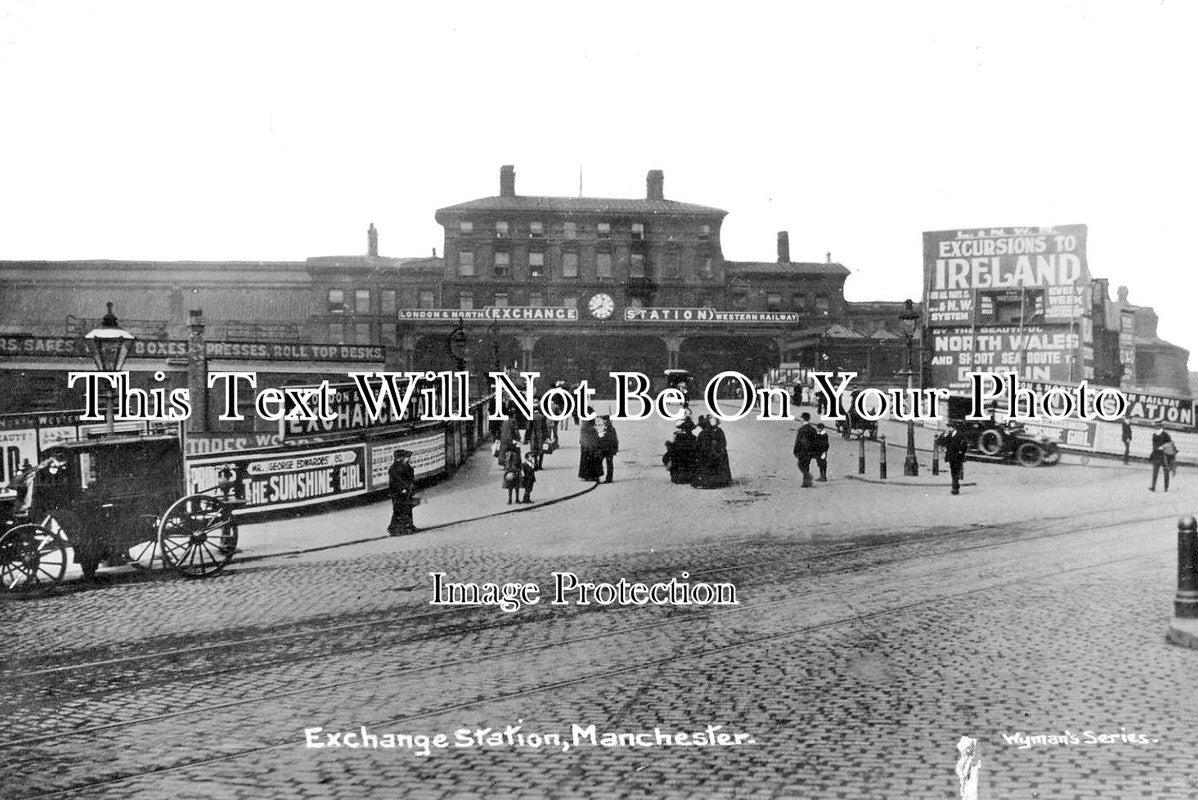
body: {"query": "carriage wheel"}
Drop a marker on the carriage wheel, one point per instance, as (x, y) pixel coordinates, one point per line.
(1030, 454)
(196, 536)
(143, 553)
(991, 442)
(31, 556)
(62, 523)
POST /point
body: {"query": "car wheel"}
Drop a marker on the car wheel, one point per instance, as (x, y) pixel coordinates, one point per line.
(991, 442)
(1030, 455)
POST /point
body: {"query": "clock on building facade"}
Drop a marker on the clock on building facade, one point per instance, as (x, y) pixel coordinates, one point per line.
(601, 305)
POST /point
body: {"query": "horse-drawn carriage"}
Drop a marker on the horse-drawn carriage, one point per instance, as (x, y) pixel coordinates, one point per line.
(115, 500)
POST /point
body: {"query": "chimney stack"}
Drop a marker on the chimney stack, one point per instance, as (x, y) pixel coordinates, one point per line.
(655, 185)
(372, 241)
(507, 181)
(783, 247)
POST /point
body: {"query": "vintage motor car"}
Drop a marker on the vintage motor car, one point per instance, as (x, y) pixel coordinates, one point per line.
(1001, 441)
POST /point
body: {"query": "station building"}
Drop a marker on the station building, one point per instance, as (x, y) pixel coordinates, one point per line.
(578, 287)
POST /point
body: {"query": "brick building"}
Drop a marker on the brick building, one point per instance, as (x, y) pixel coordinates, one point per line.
(579, 287)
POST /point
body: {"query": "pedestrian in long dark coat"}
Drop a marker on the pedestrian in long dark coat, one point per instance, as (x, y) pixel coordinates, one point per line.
(1162, 454)
(590, 460)
(805, 449)
(821, 451)
(955, 448)
(720, 471)
(1126, 432)
(528, 477)
(403, 494)
(536, 436)
(509, 433)
(681, 453)
(609, 445)
(711, 456)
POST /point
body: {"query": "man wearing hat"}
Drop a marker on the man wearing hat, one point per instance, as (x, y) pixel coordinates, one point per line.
(805, 449)
(403, 494)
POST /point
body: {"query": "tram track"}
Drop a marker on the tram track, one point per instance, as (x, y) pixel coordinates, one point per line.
(391, 621)
(376, 646)
(687, 655)
(459, 621)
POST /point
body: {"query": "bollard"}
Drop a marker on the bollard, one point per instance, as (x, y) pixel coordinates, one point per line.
(935, 457)
(861, 457)
(1185, 605)
(882, 463)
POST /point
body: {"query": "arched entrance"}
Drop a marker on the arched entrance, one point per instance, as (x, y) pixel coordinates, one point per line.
(594, 358)
(707, 356)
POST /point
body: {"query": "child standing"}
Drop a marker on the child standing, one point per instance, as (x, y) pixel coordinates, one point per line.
(511, 471)
(528, 475)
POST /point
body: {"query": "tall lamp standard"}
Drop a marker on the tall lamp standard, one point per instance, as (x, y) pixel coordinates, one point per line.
(910, 319)
(110, 345)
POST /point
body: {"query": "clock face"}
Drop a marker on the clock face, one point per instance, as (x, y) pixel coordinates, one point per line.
(601, 306)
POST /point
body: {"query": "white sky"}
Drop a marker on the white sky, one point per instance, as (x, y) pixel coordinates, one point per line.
(279, 130)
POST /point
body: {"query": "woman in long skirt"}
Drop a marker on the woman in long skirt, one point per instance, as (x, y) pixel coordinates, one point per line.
(590, 460)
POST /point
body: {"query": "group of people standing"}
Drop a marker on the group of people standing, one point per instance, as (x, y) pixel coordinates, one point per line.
(537, 435)
(811, 442)
(701, 461)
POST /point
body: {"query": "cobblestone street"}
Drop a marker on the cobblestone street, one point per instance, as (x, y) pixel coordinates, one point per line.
(876, 625)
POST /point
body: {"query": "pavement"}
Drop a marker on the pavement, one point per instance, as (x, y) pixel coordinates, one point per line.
(474, 492)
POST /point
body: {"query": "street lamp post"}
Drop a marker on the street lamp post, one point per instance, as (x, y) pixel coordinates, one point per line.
(110, 345)
(910, 318)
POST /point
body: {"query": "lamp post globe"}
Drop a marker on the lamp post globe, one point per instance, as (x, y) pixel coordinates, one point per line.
(910, 319)
(110, 345)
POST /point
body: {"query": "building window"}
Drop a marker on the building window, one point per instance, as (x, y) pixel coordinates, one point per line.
(536, 230)
(337, 332)
(570, 230)
(569, 265)
(706, 267)
(501, 230)
(821, 303)
(388, 302)
(465, 227)
(361, 301)
(500, 300)
(536, 299)
(740, 301)
(603, 229)
(799, 302)
(603, 265)
(503, 263)
(773, 301)
(427, 299)
(387, 333)
(569, 301)
(638, 231)
(636, 265)
(536, 265)
(636, 302)
(336, 301)
(362, 333)
(466, 263)
(465, 301)
(704, 233)
(672, 263)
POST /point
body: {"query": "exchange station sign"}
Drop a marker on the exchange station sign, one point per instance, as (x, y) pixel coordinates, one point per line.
(564, 314)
